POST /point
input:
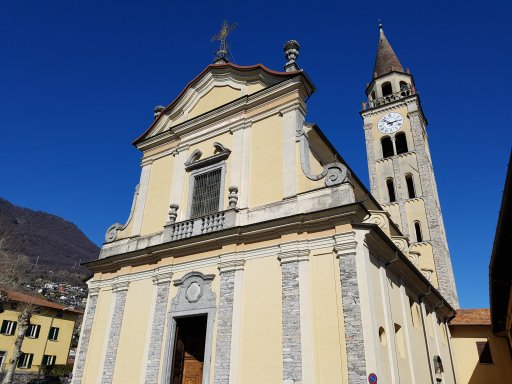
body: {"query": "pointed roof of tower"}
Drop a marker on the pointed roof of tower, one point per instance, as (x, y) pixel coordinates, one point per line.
(386, 60)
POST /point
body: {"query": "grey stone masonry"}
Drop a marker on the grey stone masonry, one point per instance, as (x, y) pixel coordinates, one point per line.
(370, 155)
(400, 195)
(354, 339)
(224, 327)
(120, 291)
(85, 336)
(157, 328)
(434, 219)
(292, 353)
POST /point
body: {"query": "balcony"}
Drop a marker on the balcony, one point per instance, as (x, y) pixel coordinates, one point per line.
(406, 91)
(199, 225)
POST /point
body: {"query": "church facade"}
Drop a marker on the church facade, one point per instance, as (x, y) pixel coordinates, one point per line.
(253, 254)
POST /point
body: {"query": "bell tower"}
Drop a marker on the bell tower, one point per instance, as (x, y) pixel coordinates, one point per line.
(400, 166)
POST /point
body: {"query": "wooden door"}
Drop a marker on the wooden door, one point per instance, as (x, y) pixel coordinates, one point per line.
(192, 370)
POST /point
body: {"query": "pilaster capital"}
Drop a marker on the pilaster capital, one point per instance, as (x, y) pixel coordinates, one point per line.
(120, 286)
(94, 291)
(231, 265)
(293, 256)
(293, 252)
(162, 278)
(345, 244)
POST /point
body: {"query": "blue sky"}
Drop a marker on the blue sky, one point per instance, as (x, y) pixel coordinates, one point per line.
(79, 80)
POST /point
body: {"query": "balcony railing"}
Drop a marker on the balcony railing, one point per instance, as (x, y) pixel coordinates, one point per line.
(200, 225)
(404, 92)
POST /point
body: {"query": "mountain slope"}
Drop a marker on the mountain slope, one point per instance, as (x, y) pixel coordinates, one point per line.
(47, 240)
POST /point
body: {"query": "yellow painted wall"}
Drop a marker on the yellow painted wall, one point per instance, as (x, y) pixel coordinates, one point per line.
(156, 209)
(130, 355)
(328, 337)
(216, 97)
(98, 338)
(41, 345)
(470, 371)
(266, 162)
(261, 330)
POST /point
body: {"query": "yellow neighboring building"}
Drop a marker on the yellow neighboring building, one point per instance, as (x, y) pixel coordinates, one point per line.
(253, 254)
(48, 338)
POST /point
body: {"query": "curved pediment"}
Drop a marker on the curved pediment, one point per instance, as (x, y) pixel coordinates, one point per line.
(216, 86)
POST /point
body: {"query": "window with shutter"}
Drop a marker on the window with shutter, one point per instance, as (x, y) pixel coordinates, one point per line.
(8, 327)
(33, 331)
(54, 334)
(25, 360)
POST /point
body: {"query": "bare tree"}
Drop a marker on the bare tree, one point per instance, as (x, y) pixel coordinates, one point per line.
(12, 263)
(26, 311)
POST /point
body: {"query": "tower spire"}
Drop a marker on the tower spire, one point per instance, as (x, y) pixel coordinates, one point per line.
(386, 60)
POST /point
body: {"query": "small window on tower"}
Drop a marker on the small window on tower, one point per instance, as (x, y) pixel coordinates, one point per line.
(391, 190)
(404, 89)
(417, 229)
(401, 143)
(386, 89)
(373, 95)
(410, 186)
(387, 147)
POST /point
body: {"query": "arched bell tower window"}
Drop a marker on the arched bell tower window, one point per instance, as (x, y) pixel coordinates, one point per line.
(373, 95)
(417, 229)
(404, 89)
(387, 89)
(387, 147)
(410, 186)
(401, 143)
(391, 190)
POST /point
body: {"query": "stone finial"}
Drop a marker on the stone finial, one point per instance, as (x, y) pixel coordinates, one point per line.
(233, 196)
(173, 213)
(158, 110)
(291, 51)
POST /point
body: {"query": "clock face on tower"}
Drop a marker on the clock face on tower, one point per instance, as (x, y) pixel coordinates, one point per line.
(390, 122)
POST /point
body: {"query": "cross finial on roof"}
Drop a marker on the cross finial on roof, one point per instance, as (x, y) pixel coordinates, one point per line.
(221, 56)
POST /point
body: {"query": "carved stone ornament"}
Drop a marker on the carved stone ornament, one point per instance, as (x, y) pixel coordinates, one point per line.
(195, 292)
(112, 231)
(173, 213)
(334, 173)
(427, 273)
(233, 196)
(194, 161)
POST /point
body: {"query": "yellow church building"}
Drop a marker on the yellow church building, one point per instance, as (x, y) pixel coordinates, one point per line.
(254, 254)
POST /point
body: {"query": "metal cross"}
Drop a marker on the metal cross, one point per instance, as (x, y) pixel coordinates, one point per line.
(225, 30)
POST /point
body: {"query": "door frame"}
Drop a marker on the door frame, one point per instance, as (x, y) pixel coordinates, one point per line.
(171, 329)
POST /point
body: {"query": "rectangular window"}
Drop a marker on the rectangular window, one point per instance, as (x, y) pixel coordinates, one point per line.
(206, 193)
(8, 327)
(54, 334)
(484, 352)
(33, 331)
(49, 359)
(25, 360)
(3, 355)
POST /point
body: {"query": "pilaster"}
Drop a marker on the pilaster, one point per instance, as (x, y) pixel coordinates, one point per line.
(346, 250)
(225, 319)
(141, 198)
(297, 347)
(433, 211)
(120, 290)
(162, 284)
(370, 154)
(85, 335)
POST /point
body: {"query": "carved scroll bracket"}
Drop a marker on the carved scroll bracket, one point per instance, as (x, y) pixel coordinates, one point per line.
(335, 173)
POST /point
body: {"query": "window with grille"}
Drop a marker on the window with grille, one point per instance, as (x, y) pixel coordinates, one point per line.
(49, 359)
(25, 360)
(54, 334)
(33, 331)
(8, 327)
(206, 193)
